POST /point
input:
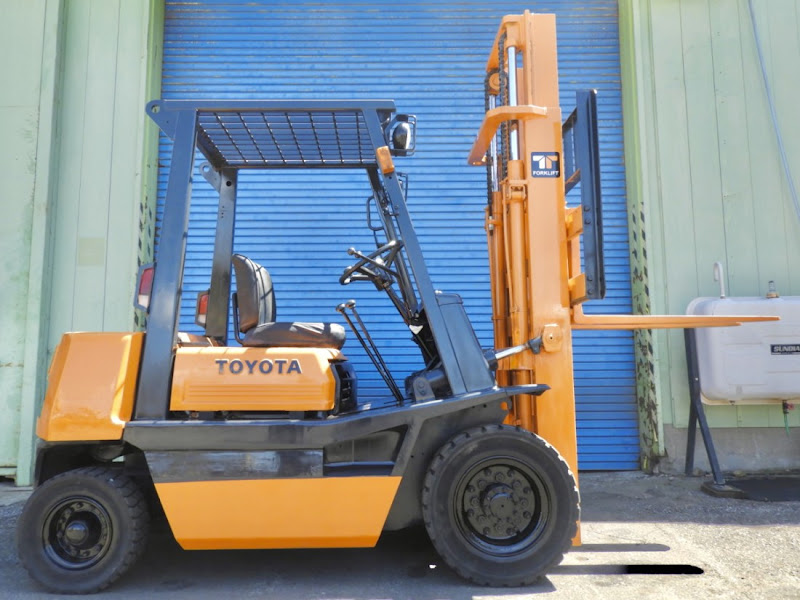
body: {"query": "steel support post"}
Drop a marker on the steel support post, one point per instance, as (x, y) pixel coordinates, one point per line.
(152, 395)
(417, 263)
(225, 181)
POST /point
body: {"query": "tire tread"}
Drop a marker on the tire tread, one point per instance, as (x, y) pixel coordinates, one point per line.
(134, 503)
(454, 446)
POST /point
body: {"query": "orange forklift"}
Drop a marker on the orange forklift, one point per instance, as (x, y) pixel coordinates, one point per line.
(264, 443)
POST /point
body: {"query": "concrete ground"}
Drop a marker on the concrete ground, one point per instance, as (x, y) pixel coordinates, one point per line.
(643, 537)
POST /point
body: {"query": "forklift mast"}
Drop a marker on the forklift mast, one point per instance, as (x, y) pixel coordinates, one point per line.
(533, 238)
(537, 283)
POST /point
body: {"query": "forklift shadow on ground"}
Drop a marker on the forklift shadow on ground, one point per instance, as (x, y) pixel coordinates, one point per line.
(403, 564)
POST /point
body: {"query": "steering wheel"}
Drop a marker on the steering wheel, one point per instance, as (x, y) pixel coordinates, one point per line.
(373, 267)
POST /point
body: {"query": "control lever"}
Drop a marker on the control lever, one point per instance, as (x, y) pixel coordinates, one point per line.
(493, 356)
(369, 266)
(369, 346)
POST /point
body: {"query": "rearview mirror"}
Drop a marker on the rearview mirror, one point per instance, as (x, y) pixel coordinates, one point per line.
(400, 135)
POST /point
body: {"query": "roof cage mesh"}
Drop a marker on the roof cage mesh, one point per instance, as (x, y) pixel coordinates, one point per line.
(266, 138)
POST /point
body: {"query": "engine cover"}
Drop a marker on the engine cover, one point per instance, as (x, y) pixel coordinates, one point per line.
(254, 379)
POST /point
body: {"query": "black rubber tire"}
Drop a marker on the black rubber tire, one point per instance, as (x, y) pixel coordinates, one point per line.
(112, 525)
(480, 528)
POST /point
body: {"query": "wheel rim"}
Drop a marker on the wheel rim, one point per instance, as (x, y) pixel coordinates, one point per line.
(77, 533)
(502, 506)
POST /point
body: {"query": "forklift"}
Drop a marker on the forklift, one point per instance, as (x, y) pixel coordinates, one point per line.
(264, 443)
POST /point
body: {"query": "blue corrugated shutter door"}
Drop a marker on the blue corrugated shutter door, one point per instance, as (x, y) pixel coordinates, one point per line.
(429, 57)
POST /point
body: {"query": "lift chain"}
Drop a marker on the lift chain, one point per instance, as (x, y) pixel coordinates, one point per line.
(489, 158)
(505, 131)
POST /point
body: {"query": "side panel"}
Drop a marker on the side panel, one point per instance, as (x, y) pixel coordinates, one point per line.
(270, 379)
(90, 388)
(278, 513)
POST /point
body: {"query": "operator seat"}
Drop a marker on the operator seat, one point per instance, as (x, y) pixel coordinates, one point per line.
(256, 314)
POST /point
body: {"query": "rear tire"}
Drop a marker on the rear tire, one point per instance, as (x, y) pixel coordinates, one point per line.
(500, 505)
(81, 530)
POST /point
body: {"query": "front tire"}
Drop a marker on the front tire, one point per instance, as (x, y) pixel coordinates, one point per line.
(500, 505)
(81, 530)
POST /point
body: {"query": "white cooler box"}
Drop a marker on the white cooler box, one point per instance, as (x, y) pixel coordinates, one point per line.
(755, 363)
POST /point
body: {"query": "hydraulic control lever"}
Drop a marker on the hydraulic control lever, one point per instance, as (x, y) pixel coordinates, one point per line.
(493, 356)
(369, 346)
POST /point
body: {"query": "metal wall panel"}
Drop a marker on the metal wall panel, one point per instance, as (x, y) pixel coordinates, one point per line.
(429, 57)
(708, 105)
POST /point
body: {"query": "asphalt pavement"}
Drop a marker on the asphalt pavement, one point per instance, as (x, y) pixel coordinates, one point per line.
(644, 536)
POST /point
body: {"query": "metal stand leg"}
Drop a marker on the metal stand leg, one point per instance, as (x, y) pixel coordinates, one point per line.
(697, 415)
(690, 435)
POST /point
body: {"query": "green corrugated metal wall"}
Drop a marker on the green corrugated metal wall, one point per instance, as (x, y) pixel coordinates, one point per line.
(23, 49)
(78, 74)
(708, 174)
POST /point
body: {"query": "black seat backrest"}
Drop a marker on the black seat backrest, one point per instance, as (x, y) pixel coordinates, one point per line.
(254, 293)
